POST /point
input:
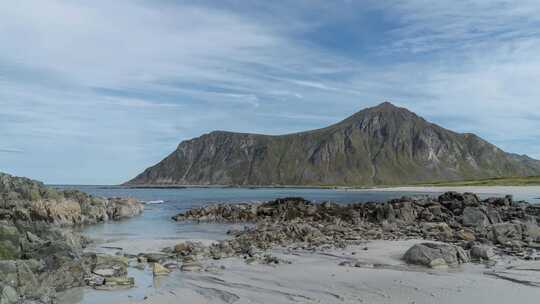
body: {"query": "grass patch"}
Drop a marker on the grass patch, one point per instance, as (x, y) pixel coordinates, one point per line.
(499, 181)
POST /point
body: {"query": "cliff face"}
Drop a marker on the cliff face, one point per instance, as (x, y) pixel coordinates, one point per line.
(380, 145)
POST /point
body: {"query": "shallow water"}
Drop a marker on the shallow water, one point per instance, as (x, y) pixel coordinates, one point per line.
(156, 223)
(156, 220)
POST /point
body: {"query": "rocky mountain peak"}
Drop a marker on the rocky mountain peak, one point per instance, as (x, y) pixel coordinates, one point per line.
(385, 144)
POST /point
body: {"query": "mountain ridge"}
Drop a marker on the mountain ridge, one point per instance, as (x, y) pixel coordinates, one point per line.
(381, 145)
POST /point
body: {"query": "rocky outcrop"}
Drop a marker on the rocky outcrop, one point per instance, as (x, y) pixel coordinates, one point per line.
(25, 200)
(468, 225)
(380, 145)
(39, 254)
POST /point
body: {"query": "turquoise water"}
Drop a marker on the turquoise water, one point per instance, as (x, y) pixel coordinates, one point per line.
(156, 220)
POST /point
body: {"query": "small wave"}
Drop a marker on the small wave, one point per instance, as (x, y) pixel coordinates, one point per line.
(154, 202)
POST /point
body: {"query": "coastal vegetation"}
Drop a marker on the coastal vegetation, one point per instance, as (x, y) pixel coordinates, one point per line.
(498, 181)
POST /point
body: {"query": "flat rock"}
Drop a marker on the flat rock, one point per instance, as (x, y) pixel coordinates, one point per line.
(159, 270)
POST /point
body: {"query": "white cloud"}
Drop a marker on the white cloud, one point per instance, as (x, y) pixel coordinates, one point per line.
(117, 84)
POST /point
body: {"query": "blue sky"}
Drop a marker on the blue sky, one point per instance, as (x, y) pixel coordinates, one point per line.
(93, 92)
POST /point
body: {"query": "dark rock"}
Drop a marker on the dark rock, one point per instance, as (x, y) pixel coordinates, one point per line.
(296, 222)
(474, 217)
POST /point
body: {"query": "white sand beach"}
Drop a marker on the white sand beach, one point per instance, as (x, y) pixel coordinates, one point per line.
(527, 193)
(317, 277)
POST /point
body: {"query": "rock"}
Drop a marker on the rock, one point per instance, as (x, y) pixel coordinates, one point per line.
(298, 223)
(32, 238)
(183, 248)
(9, 242)
(466, 235)
(360, 264)
(94, 280)
(191, 267)
(504, 233)
(114, 283)
(142, 259)
(159, 270)
(474, 217)
(431, 254)
(465, 199)
(8, 295)
(189, 248)
(482, 252)
(171, 265)
(156, 257)
(120, 208)
(438, 231)
(213, 269)
(111, 266)
(438, 263)
(27, 279)
(39, 252)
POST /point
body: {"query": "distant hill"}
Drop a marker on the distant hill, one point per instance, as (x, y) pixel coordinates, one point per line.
(383, 145)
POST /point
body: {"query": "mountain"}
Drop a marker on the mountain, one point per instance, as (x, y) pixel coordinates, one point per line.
(382, 145)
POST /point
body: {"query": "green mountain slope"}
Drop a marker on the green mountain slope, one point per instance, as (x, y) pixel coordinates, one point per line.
(380, 145)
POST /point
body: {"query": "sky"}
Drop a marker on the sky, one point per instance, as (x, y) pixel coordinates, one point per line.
(93, 92)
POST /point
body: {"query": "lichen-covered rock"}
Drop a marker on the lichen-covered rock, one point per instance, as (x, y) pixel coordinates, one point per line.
(39, 254)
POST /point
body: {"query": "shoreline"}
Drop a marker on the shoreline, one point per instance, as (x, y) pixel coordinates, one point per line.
(526, 193)
(406, 188)
(297, 253)
(331, 276)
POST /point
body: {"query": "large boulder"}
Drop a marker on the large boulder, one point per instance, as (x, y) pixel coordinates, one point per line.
(436, 255)
(120, 208)
(474, 217)
(438, 231)
(482, 252)
(60, 212)
(504, 233)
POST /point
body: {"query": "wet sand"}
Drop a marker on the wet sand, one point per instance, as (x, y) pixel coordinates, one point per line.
(317, 277)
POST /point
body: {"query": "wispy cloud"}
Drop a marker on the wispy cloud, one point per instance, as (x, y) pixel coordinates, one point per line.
(10, 150)
(113, 86)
